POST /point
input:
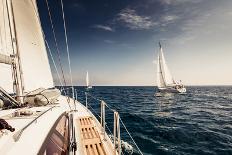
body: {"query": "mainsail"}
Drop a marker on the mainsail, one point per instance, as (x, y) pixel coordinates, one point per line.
(164, 77)
(160, 78)
(6, 81)
(21, 16)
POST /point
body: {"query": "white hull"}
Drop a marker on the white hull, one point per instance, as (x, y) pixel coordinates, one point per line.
(33, 138)
(172, 90)
(89, 87)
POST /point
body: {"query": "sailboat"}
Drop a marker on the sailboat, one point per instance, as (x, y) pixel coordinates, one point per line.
(165, 81)
(34, 117)
(88, 86)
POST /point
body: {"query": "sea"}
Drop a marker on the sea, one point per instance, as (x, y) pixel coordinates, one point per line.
(196, 123)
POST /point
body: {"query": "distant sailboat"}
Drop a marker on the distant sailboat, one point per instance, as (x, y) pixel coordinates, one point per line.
(87, 81)
(38, 119)
(165, 81)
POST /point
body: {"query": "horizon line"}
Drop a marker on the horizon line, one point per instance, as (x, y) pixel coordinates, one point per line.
(141, 85)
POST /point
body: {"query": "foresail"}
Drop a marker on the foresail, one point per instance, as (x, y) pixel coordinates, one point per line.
(160, 80)
(6, 80)
(31, 48)
(168, 79)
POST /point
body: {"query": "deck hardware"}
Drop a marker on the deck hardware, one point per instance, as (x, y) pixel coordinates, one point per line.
(18, 134)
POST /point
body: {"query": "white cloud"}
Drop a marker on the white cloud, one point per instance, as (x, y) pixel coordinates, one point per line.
(132, 20)
(169, 18)
(104, 27)
(109, 41)
(176, 2)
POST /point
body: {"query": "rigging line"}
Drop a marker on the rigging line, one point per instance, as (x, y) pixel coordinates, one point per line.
(4, 25)
(46, 43)
(2, 46)
(56, 69)
(113, 110)
(53, 62)
(44, 37)
(130, 136)
(56, 44)
(67, 47)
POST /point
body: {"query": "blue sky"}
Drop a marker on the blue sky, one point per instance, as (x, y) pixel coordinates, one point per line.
(117, 40)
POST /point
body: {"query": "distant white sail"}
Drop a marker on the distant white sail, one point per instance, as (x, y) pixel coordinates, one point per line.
(165, 78)
(87, 79)
(160, 79)
(36, 71)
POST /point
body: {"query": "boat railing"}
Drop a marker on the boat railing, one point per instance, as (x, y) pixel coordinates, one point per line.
(116, 137)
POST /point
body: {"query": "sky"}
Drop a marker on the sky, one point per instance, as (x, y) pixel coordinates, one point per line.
(117, 40)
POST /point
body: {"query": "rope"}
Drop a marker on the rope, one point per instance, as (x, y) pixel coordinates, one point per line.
(130, 136)
(49, 49)
(67, 47)
(4, 25)
(53, 62)
(93, 97)
(56, 44)
(1, 45)
(46, 43)
(113, 110)
(94, 111)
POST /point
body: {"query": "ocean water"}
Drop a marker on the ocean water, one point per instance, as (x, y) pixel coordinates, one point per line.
(198, 122)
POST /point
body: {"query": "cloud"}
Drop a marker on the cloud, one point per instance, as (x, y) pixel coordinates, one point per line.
(169, 18)
(177, 2)
(109, 41)
(133, 21)
(104, 27)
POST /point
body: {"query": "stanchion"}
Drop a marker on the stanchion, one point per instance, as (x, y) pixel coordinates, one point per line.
(103, 123)
(86, 100)
(117, 133)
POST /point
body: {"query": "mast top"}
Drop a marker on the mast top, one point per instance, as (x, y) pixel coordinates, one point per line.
(160, 45)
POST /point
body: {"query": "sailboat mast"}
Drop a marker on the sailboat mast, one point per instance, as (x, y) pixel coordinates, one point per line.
(16, 64)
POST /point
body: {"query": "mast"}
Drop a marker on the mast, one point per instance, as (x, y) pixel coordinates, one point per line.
(16, 63)
(31, 53)
(26, 56)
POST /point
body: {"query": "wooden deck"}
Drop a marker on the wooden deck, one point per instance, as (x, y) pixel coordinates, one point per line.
(92, 144)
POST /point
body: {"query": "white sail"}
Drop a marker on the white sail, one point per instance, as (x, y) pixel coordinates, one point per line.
(6, 81)
(168, 79)
(160, 80)
(87, 79)
(35, 67)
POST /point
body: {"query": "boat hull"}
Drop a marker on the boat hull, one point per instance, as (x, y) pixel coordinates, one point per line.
(172, 90)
